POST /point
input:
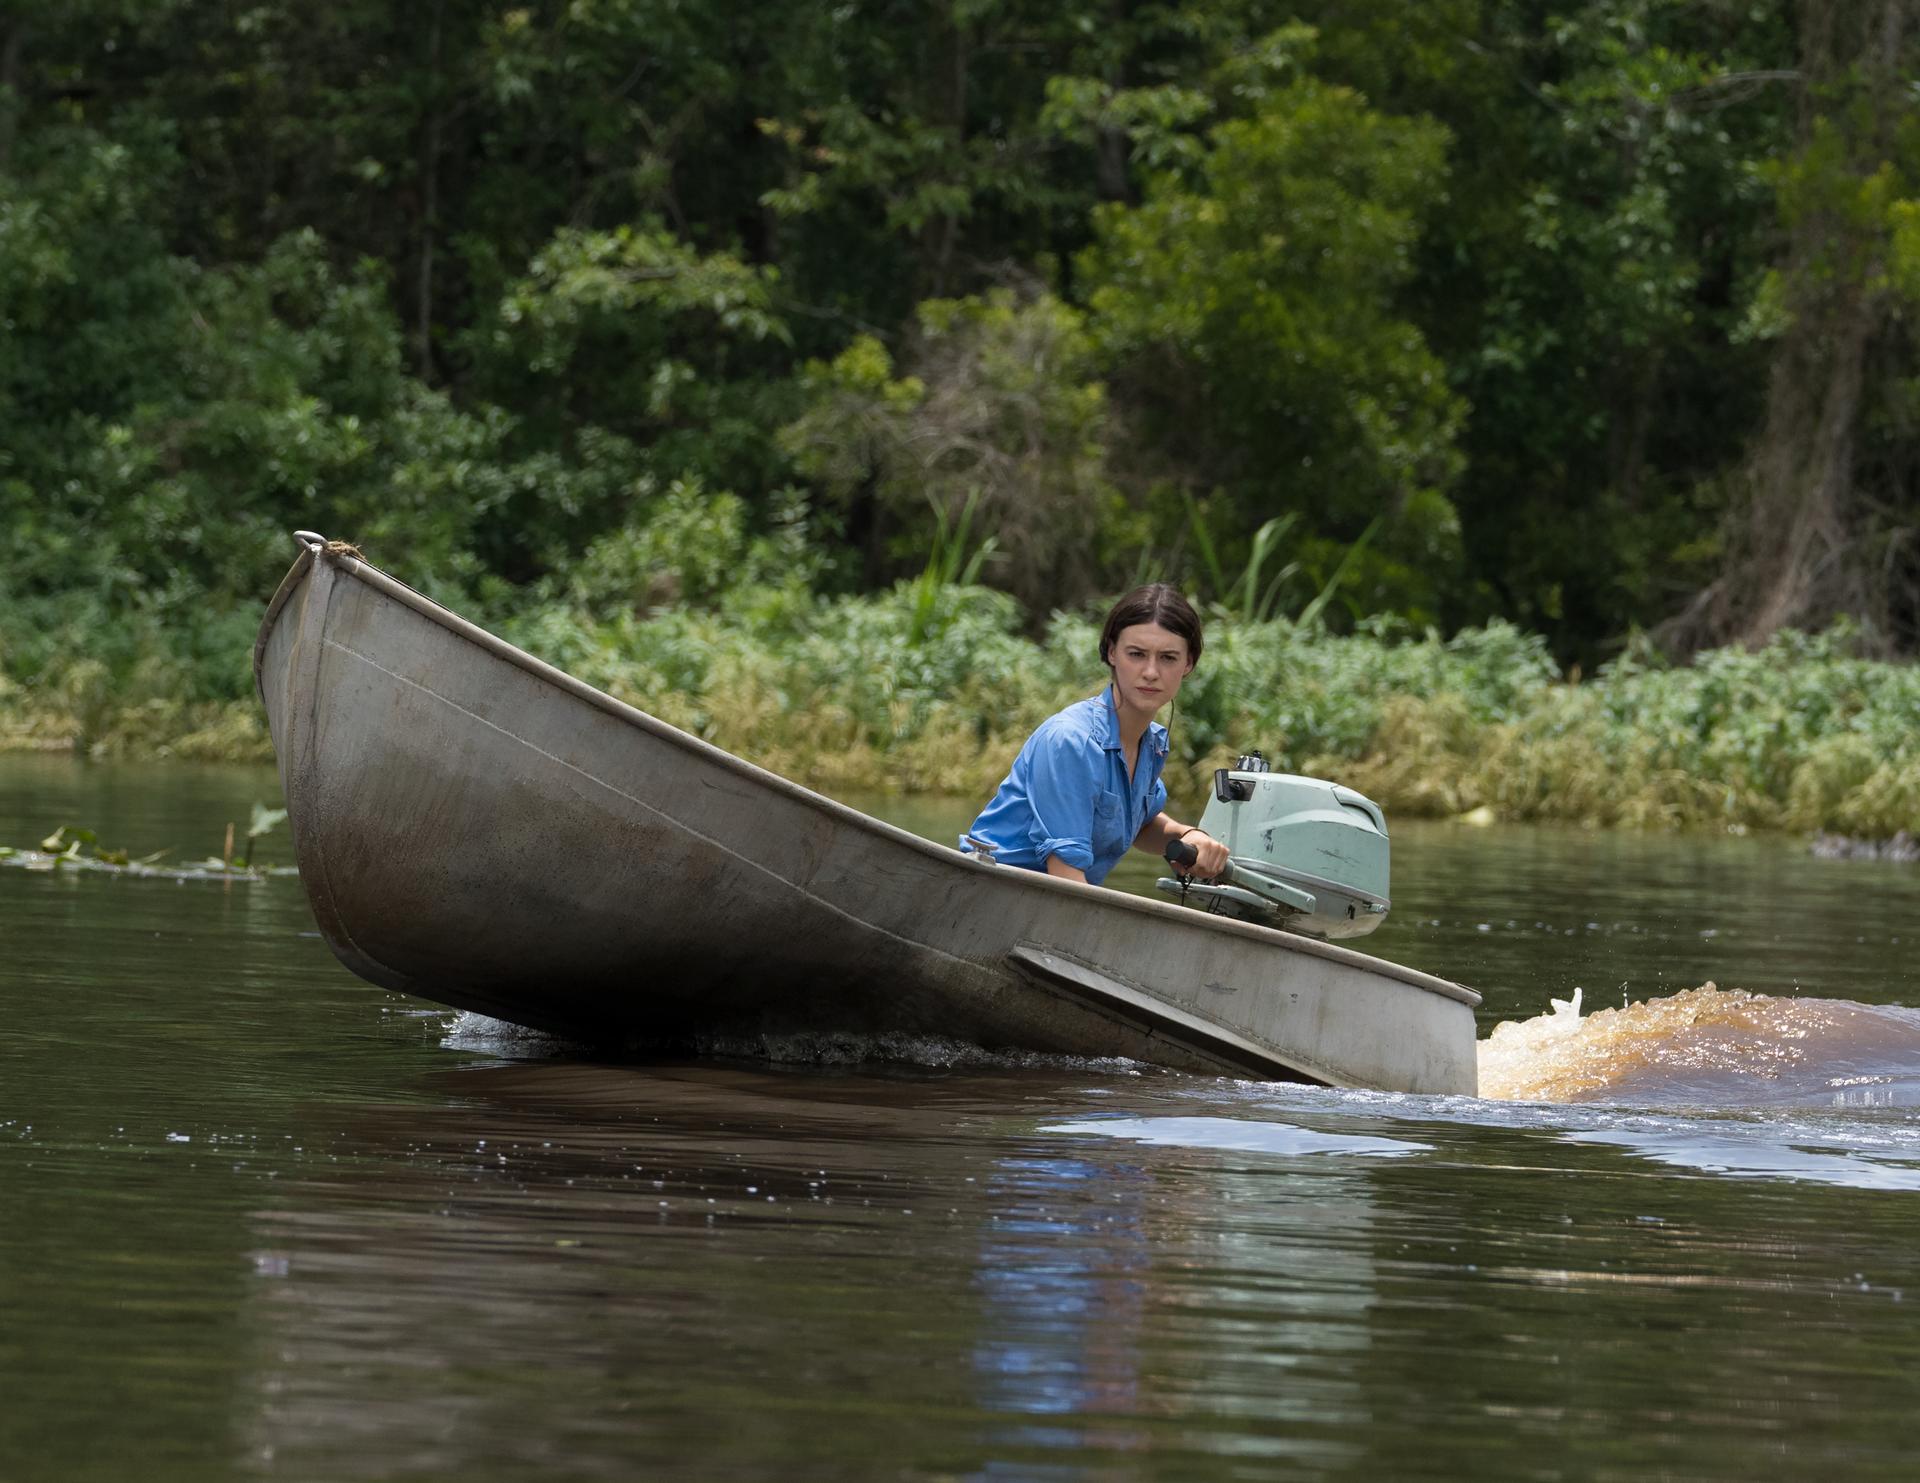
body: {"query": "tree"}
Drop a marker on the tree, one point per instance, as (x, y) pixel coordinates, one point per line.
(1585, 280)
(1000, 425)
(1250, 307)
(1826, 518)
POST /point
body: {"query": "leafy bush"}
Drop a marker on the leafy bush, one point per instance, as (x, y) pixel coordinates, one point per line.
(932, 687)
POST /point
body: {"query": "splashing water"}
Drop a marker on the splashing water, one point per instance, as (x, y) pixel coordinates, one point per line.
(1708, 1046)
(1723, 1049)
(470, 1031)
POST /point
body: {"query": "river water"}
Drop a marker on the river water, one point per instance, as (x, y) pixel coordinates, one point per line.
(260, 1220)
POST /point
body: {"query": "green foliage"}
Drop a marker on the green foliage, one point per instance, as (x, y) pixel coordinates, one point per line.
(688, 546)
(1603, 234)
(666, 340)
(1253, 596)
(1245, 597)
(1001, 414)
(629, 358)
(952, 561)
(77, 850)
(1801, 735)
(260, 823)
(1157, 122)
(1258, 290)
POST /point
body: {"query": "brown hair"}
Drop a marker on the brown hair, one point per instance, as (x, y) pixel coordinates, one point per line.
(1154, 603)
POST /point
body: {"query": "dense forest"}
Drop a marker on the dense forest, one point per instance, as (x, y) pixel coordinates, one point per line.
(1399, 317)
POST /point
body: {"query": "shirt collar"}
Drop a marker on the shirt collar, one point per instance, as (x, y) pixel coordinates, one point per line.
(1110, 726)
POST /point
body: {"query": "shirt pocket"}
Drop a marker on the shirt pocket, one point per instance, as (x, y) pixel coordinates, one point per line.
(1109, 825)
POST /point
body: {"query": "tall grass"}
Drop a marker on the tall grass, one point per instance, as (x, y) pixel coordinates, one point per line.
(886, 693)
(931, 687)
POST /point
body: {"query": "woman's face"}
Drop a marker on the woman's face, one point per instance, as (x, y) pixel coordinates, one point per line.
(1148, 665)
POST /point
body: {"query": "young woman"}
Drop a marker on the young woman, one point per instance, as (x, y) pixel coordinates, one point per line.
(1087, 783)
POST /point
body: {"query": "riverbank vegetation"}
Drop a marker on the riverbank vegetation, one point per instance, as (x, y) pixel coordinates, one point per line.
(1799, 734)
(805, 373)
(930, 687)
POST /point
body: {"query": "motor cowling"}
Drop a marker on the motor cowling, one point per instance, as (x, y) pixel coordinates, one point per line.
(1307, 855)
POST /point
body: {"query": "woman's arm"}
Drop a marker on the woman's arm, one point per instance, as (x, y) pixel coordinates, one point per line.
(1062, 774)
(1163, 829)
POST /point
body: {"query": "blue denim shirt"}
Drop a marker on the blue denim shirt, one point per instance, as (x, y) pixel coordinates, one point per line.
(1069, 793)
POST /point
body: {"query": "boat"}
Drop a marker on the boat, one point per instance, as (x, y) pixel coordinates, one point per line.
(478, 828)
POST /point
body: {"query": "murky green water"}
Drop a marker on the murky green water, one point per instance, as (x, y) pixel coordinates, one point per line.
(260, 1220)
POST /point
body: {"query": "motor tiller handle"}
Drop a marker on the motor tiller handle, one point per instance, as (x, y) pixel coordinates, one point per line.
(1181, 855)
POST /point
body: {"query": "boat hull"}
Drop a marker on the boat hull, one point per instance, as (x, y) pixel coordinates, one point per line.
(477, 828)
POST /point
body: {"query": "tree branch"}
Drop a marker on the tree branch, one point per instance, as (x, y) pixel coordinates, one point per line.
(10, 99)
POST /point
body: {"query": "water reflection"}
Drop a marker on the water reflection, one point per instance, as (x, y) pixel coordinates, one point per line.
(364, 1262)
(625, 1256)
(631, 1253)
(1063, 1274)
(1232, 1133)
(1797, 1151)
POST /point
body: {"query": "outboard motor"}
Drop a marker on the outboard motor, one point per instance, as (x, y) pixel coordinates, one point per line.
(1307, 855)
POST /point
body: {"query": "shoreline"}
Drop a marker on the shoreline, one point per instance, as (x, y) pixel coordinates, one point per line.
(1902, 847)
(234, 734)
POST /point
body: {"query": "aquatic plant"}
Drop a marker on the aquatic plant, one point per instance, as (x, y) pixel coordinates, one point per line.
(72, 848)
(262, 822)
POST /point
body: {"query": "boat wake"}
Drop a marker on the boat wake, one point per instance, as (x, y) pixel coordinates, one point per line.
(1709, 1081)
(469, 1031)
(485, 1035)
(936, 1051)
(1709, 1047)
(1722, 1049)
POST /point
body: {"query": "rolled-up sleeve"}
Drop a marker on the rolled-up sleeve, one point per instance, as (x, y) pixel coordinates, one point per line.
(1061, 781)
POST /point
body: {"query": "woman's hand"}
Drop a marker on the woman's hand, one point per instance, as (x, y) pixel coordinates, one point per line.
(1213, 854)
(1163, 829)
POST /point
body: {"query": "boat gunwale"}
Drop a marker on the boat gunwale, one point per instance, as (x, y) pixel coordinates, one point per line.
(426, 607)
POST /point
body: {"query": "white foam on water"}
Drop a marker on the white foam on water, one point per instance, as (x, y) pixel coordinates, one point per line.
(473, 1032)
(823, 1048)
(1240, 1135)
(469, 1031)
(1761, 1151)
(1709, 1047)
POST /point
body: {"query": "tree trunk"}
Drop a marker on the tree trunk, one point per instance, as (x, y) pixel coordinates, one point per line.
(12, 46)
(1627, 432)
(1801, 561)
(953, 56)
(429, 202)
(1112, 150)
(1797, 553)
